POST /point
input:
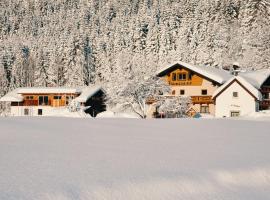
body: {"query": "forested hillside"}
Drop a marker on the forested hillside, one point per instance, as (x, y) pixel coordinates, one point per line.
(80, 42)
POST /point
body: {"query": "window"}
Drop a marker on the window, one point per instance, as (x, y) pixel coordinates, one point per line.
(26, 111)
(57, 97)
(174, 76)
(190, 76)
(39, 111)
(173, 92)
(205, 109)
(204, 92)
(182, 92)
(43, 100)
(29, 97)
(182, 76)
(235, 94)
(235, 113)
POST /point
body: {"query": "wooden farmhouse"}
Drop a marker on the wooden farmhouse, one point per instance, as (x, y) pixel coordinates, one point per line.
(36, 101)
(244, 94)
(199, 83)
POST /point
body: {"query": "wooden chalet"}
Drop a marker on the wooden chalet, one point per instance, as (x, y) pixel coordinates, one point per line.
(37, 101)
(199, 83)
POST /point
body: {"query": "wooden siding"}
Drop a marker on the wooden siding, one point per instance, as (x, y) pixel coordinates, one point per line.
(194, 80)
(33, 99)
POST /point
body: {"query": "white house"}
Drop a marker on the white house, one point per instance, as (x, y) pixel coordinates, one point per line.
(46, 101)
(244, 94)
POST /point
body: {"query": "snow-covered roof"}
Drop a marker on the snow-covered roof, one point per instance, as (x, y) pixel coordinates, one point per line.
(12, 96)
(47, 90)
(256, 78)
(218, 75)
(254, 91)
(87, 93)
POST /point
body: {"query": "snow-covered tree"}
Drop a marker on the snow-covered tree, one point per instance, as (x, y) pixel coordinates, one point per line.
(135, 94)
(176, 106)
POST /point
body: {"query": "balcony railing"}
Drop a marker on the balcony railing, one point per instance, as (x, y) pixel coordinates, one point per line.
(265, 89)
(202, 99)
(194, 99)
(265, 102)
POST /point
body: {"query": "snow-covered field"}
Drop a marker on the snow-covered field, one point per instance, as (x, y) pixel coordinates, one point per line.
(132, 159)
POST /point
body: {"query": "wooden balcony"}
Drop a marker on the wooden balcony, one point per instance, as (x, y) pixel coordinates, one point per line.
(265, 102)
(265, 89)
(202, 100)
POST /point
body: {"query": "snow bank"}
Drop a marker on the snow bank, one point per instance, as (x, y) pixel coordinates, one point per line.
(111, 114)
(64, 112)
(105, 159)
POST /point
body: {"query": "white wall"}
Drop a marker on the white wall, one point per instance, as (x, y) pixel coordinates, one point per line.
(195, 90)
(33, 110)
(225, 102)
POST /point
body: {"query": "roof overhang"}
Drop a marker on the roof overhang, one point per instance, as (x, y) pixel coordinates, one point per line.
(254, 92)
(213, 74)
(88, 92)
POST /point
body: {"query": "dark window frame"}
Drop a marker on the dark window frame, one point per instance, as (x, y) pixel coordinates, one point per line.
(40, 112)
(57, 97)
(174, 77)
(235, 95)
(204, 92)
(182, 92)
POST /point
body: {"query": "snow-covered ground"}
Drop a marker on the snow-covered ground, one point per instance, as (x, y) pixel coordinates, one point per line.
(133, 159)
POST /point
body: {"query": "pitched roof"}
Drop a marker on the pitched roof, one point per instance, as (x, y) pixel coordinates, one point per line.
(242, 82)
(218, 75)
(87, 93)
(256, 78)
(47, 90)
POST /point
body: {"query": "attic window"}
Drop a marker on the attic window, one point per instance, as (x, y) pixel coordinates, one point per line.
(235, 94)
(174, 76)
(182, 76)
(190, 76)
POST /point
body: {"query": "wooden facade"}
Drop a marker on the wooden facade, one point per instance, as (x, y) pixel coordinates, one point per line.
(53, 100)
(183, 77)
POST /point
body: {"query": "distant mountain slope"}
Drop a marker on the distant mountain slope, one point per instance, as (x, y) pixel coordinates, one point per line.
(77, 42)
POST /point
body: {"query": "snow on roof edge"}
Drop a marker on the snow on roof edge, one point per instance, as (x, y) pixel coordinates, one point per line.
(244, 82)
(218, 75)
(87, 93)
(12, 96)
